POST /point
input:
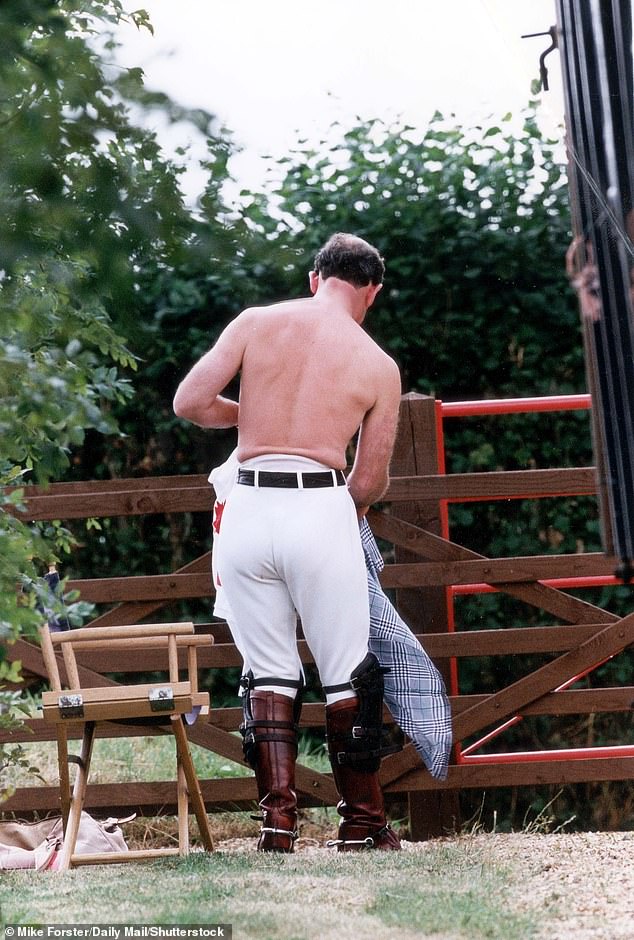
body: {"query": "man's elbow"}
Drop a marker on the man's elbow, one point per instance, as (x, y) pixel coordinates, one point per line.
(183, 405)
(379, 490)
(368, 491)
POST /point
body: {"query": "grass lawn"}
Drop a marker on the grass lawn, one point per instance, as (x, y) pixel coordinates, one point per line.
(450, 889)
(444, 889)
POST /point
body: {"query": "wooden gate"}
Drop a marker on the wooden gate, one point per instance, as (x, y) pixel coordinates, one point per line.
(427, 567)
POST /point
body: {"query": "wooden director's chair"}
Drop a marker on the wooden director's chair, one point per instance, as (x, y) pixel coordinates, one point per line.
(154, 704)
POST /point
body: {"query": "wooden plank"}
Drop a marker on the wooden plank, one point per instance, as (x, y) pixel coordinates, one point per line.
(135, 612)
(162, 587)
(101, 695)
(236, 793)
(97, 487)
(503, 484)
(416, 452)
(471, 643)
(529, 773)
(147, 798)
(117, 858)
(136, 502)
(147, 644)
(116, 660)
(571, 702)
(36, 730)
(498, 570)
(509, 641)
(216, 656)
(105, 497)
(122, 710)
(430, 545)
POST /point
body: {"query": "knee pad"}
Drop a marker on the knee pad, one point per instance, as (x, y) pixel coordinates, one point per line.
(256, 731)
(360, 744)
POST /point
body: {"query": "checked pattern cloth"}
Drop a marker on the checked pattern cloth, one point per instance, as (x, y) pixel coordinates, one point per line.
(414, 690)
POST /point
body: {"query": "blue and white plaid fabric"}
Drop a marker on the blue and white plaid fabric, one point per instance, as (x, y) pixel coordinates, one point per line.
(414, 690)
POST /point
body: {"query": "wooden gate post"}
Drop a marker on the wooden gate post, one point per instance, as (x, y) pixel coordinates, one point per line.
(425, 610)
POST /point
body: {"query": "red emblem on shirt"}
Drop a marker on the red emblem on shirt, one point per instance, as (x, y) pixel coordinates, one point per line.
(218, 510)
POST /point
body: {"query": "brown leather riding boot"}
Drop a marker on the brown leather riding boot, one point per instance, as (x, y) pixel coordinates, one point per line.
(364, 824)
(275, 752)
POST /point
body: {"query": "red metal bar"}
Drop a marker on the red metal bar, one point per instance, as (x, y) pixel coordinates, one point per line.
(500, 406)
(573, 753)
(467, 751)
(599, 580)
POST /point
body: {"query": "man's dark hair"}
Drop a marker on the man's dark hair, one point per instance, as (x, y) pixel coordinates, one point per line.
(351, 259)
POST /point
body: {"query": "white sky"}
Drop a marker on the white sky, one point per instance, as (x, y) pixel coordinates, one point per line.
(278, 70)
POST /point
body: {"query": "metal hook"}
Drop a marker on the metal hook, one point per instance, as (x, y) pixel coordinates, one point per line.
(543, 71)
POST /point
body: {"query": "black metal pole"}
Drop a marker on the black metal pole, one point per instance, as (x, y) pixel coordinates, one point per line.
(595, 41)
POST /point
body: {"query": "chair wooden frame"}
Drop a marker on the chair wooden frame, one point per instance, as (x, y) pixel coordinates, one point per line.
(158, 703)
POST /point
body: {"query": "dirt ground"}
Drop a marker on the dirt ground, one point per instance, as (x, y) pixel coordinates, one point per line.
(585, 881)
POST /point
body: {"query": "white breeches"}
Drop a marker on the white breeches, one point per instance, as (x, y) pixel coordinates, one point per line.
(285, 552)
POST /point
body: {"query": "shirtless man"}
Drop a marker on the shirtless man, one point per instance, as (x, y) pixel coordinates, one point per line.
(310, 378)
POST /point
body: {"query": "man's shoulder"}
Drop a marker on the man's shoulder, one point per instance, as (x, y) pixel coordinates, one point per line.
(246, 320)
(384, 362)
(269, 310)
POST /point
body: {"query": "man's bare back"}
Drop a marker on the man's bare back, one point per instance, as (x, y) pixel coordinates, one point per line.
(310, 378)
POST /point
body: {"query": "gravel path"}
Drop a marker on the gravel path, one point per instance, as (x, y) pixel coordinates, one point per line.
(584, 881)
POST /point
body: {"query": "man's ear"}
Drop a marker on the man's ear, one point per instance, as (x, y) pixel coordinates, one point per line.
(373, 290)
(313, 281)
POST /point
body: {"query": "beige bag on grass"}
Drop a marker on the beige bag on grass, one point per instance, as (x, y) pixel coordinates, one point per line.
(36, 845)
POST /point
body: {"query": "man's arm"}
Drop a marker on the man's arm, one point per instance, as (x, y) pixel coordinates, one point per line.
(369, 477)
(198, 396)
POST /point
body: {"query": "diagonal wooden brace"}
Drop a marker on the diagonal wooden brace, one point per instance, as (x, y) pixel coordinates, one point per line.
(607, 642)
(435, 548)
(228, 745)
(509, 701)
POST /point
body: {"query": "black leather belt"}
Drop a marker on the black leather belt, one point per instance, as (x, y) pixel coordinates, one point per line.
(307, 481)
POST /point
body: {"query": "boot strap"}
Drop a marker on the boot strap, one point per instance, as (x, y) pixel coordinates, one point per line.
(266, 723)
(253, 738)
(357, 757)
(353, 682)
(282, 732)
(248, 682)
